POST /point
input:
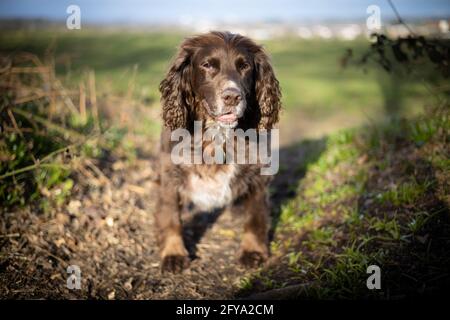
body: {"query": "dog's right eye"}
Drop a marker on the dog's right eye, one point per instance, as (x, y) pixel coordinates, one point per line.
(207, 65)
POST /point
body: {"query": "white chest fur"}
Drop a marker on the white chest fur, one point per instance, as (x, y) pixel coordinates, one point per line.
(211, 192)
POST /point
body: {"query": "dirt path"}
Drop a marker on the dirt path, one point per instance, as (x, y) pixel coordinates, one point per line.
(107, 231)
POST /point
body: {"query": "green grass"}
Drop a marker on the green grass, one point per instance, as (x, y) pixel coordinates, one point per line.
(309, 71)
(405, 193)
(353, 209)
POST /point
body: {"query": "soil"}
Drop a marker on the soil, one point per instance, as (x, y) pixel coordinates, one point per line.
(108, 232)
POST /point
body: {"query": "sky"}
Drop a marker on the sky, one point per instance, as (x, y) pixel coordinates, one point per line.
(231, 11)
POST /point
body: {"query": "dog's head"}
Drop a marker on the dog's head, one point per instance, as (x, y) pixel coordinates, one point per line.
(223, 78)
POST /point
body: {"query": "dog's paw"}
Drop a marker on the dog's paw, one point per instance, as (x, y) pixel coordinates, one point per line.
(252, 259)
(174, 263)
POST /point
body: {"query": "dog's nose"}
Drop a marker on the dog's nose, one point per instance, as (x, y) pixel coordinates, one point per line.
(231, 97)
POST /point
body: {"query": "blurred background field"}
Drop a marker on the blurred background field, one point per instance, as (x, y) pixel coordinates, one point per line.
(319, 94)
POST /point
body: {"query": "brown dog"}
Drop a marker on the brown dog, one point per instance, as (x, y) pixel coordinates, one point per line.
(223, 80)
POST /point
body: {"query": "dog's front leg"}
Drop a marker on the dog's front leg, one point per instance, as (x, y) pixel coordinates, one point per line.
(254, 245)
(168, 222)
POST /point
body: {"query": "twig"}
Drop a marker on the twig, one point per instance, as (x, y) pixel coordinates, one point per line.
(32, 97)
(51, 78)
(48, 123)
(93, 99)
(41, 162)
(89, 176)
(39, 70)
(16, 127)
(30, 168)
(51, 255)
(99, 172)
(83, 103)
(136, 189)
(13, 255)
(66, 98)
(63, 149)
(399, 18)
(6, 67)
(10, 235)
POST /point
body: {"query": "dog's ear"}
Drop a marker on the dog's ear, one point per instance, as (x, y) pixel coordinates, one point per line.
(267, 89)
(176, 91)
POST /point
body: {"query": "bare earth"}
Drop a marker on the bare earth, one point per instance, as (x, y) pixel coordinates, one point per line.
(108, 232)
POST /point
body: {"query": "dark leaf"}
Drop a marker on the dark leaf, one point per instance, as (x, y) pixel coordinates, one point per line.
(400, 56)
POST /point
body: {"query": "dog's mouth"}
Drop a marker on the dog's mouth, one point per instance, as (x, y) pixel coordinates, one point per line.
(227, 118)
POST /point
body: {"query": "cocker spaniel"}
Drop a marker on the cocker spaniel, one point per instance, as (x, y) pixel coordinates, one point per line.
(225, 81)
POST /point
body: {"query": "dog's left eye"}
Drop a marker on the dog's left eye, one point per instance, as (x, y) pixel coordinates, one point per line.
(244, 66)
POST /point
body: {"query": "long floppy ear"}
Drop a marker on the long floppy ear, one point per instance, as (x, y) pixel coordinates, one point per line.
(268, 93)
(176, 92)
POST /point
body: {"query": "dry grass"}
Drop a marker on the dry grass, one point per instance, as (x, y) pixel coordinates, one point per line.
(50, 132)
